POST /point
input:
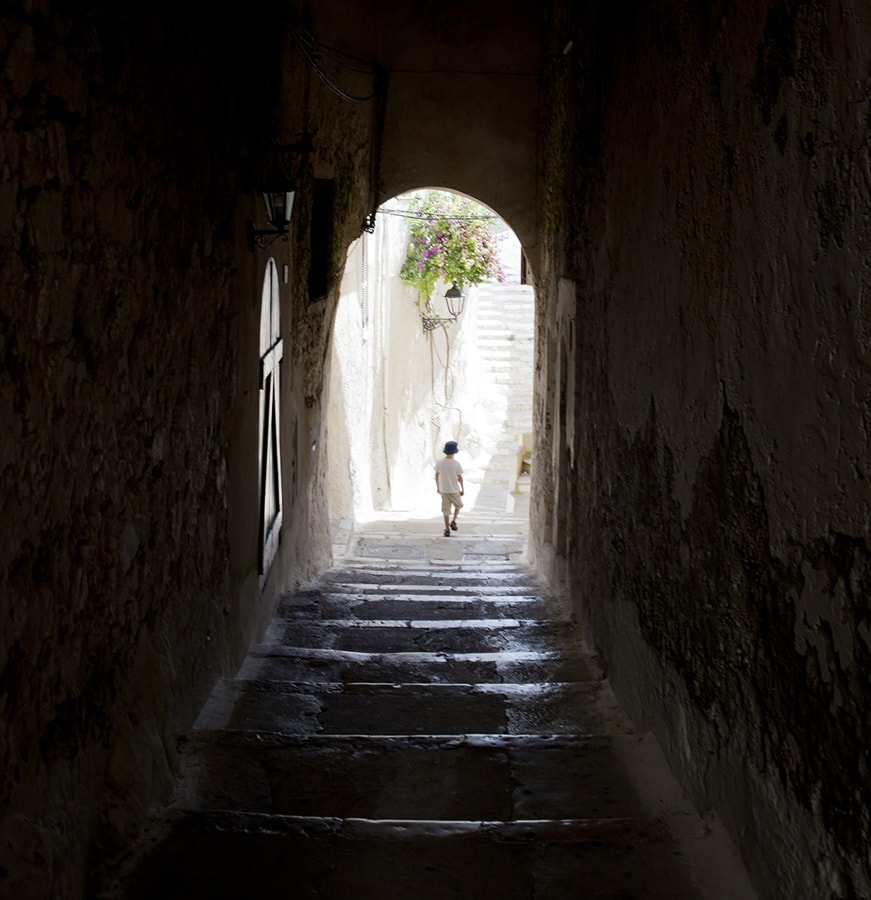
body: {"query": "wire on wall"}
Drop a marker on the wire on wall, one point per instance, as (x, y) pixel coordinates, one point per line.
(448, 379)
(312, 49)
(402, 214)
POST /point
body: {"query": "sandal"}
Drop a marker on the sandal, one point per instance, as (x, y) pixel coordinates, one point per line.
(447, 532)
(454, 525)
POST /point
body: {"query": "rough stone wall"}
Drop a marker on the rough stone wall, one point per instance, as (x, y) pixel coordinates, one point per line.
(341, 134)
(116, 240)
(717, 519)
(133, 141)
(461, 83)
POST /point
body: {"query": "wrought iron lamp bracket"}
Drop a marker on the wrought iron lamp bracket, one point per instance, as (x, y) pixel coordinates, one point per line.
(261, 238)
(430, 323)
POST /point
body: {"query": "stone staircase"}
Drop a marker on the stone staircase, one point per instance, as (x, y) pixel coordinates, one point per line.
(505, 326)
(420, 731)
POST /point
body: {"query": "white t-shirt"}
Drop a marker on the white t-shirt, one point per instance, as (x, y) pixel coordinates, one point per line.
(448, 471)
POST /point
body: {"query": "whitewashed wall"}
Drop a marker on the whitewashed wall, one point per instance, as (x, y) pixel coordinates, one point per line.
(395, 393)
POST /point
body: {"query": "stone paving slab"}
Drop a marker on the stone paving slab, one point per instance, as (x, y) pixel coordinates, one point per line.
(425, 730)
(467, 575)
(317, 665)
(416, 636)
(376, 708)
(429, 606)
(271, 856)
(484, 603)
(432, 777)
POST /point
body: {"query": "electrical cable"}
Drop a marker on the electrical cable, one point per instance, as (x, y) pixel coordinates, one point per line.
(449, 388)
(448, 218)
(309, 45)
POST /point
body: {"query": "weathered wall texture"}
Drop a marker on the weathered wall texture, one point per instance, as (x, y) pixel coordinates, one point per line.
(712, 512)
(114, 403)
(461, 88)
(133, 141)
(702, 419)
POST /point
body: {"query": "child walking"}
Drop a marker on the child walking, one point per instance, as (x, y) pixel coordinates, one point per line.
(449, 483)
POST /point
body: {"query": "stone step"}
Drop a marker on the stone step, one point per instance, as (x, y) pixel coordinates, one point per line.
(316, 665)
(485, 579)
(491, 366)
(379, 604)
(382, 709)
(507, 298)
(510, 308)
(506, 327)
(495, 346)
(509, 316)
(472, 777)
(518, 327)
(521, 372)
(492, 377)
(516, 320)
(513, 335)
(516, 333)
(514, 303)
(439, 574)
(435, 732)
(498, 349)
(224, 855)
(422, 635)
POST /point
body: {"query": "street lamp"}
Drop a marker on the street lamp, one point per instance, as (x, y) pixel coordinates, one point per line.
(455, 300)
(278, 201)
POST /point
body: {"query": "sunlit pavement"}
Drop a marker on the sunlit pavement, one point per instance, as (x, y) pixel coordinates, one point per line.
(493, 524)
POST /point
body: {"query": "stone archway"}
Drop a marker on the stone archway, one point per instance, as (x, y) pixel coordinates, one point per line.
(398, 390)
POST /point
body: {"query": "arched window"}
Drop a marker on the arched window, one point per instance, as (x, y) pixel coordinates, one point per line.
(271, 353)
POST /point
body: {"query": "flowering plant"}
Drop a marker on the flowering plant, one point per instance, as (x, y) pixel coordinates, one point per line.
(450, 242)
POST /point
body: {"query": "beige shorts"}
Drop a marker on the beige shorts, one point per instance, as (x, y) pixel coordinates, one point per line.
(451, 499)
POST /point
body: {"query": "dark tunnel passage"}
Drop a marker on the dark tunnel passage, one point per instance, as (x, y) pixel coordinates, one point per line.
(690, 189)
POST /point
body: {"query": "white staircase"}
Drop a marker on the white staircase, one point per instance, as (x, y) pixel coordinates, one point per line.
(506, 348)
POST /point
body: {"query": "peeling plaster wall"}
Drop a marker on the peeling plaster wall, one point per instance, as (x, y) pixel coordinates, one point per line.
(712, 522)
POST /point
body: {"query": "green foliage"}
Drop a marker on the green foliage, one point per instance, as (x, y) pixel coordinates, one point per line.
(449, 241)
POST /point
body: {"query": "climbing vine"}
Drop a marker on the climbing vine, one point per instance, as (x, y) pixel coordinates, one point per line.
(449, 241)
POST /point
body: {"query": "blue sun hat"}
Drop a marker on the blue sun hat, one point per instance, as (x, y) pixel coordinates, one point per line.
(451, 448)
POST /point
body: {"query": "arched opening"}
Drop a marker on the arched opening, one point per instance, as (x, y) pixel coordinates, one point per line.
(405, 376)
